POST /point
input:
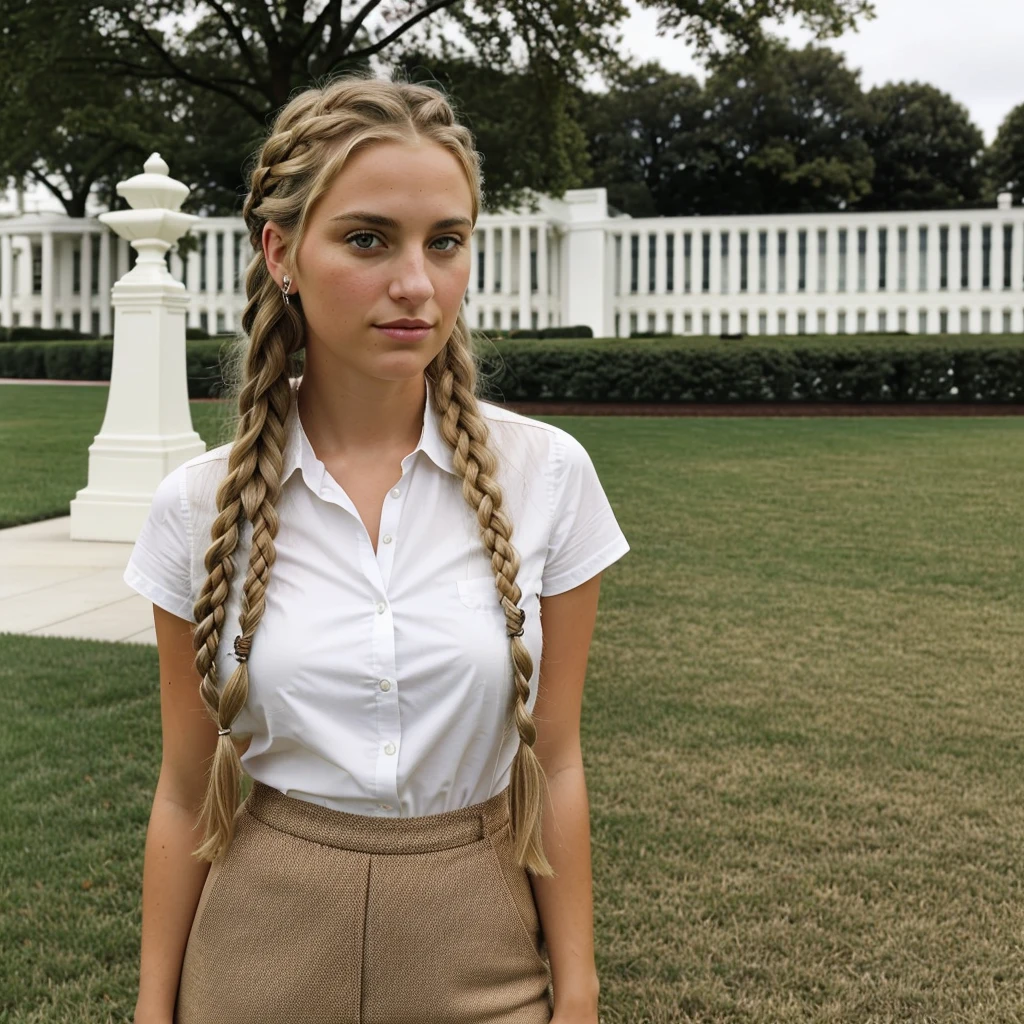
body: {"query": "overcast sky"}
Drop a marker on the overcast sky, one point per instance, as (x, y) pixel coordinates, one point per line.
(971, 49)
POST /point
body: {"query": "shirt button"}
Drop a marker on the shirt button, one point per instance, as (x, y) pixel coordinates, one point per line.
(389, 748)
(381, 606)
(396, 492)
(387, 538)
(387, 807)
(385, 684)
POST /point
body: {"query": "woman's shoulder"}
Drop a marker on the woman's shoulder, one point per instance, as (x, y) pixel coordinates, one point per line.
(194, 482)
(538, 444)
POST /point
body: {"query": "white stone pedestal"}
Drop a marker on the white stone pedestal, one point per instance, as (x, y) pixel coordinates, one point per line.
(147, 428)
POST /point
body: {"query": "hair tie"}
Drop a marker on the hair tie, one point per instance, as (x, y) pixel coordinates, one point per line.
(522, 620)
(242, 645)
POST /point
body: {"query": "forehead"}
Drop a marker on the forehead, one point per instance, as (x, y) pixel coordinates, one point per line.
(413, 182)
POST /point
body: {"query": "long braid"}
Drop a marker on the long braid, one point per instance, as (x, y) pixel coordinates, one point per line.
(466, 431)
(249, 491)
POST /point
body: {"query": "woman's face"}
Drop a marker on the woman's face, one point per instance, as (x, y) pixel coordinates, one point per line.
(354, 273)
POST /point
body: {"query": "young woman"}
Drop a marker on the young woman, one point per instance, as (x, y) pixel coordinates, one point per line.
(341, 613)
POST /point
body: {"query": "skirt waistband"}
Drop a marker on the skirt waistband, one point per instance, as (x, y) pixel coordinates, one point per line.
(367, 834)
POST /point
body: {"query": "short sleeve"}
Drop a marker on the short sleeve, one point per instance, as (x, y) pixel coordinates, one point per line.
(159, 564)
(585, 537)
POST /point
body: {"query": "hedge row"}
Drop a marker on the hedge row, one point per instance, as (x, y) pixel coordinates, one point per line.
(825, 368)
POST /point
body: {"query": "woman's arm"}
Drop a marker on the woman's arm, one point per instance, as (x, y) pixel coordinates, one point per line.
(172, 879)
(565, 902)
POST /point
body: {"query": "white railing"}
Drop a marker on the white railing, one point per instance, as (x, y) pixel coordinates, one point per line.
(928, 272)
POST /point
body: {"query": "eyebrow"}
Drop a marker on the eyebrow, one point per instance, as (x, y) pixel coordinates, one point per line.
(387, 222)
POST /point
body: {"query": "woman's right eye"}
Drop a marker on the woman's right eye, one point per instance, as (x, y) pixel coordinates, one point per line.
(361, 234)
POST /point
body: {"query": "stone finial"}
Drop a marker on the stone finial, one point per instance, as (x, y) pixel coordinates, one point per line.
(154, 189)
(156, 165)
(154, 222)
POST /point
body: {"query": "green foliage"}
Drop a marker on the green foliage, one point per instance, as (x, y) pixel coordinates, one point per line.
(1004, 160)
(925, 148)
(649, 142)
(40, 334)
(889, 367)
(88, 90)
(808, 369)
(778, 130)
(741, 29)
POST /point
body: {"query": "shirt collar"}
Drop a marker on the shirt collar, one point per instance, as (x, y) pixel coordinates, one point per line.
(299, 454)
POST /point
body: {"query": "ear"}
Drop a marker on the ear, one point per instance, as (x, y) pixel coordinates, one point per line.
(275, 247)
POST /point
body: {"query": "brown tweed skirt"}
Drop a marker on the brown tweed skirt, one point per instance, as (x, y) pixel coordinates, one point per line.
(325, 917)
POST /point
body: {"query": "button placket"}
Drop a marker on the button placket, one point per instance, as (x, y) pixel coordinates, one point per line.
(388, 527)
(388, 722)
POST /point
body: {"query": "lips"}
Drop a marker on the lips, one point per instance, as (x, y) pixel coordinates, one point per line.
(407, 324)
(405, 333)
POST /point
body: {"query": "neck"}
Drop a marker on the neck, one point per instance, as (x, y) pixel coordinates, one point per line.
(360, 418)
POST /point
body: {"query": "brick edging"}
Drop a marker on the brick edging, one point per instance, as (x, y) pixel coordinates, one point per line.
(701, 408)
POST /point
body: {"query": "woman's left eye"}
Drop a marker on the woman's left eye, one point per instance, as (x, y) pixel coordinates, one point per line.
(457, 242)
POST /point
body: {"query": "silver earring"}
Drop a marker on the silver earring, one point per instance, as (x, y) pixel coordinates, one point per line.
(284, 289)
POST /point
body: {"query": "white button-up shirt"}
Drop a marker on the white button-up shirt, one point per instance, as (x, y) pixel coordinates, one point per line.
(380, 682)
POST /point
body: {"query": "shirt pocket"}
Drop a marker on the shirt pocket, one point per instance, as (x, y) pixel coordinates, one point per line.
(481, 593)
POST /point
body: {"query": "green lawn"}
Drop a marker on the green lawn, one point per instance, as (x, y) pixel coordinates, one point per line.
(801, 729)
(45, 433)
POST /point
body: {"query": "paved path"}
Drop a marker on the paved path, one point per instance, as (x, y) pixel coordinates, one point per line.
(53, 586)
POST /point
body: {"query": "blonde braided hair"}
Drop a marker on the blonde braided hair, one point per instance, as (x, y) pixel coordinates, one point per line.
(309, 142)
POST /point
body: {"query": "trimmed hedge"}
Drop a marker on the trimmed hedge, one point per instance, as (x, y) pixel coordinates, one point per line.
(808, 369)
(67, 334)
(494, 333)
(923, 368)
(41, 334)
(91, 360)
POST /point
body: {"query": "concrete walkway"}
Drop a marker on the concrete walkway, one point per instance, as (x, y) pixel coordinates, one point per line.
(53, 586)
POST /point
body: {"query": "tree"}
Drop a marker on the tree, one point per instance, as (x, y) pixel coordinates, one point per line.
(75, 131)
(644, 136)
(740, 24)
(513, 115)
(1003, 164)
(927, 152)
(784, 133)
(251, 55)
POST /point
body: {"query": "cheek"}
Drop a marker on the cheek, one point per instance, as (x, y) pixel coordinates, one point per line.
(452, 286)
(344, 287)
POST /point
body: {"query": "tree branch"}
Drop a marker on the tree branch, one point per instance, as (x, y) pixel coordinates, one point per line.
(210, 84)
(89, 171)
(380, 44)
(203, 83)
(239, 36)
(43, 180)
(337, 48)
(329, 13)
(148, 73)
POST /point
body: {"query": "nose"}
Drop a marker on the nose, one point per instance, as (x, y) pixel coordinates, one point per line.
(411, 283)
